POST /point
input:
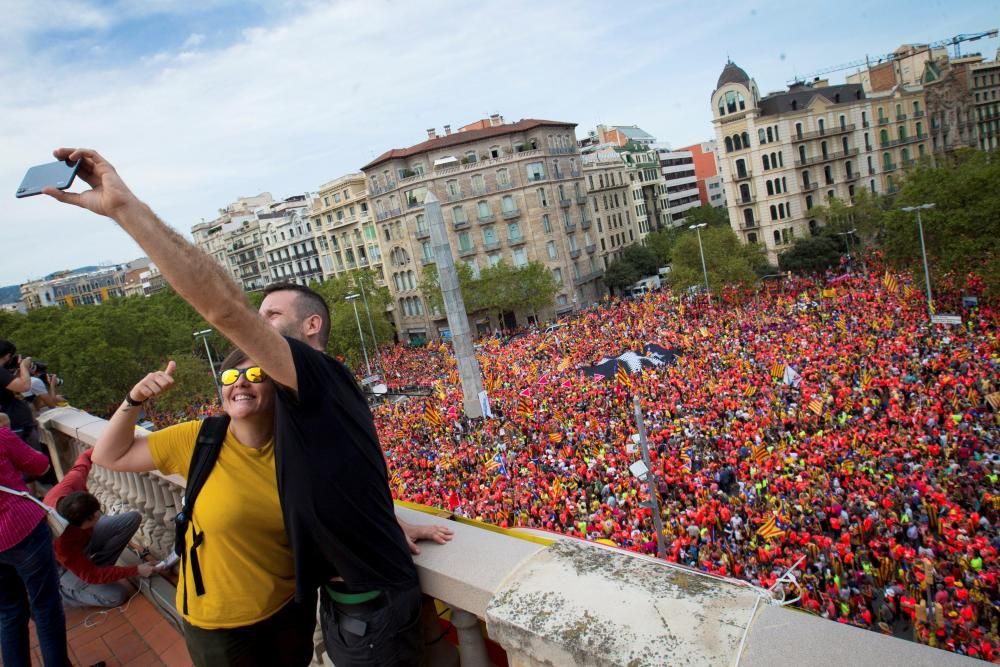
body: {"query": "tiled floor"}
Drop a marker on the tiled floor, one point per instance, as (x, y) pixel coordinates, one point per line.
(140, 636)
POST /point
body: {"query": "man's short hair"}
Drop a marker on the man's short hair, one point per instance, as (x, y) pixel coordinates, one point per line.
(78, 507)
(7, 347)
(308, 302)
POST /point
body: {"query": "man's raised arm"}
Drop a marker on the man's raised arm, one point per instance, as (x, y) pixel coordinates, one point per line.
(192, 273)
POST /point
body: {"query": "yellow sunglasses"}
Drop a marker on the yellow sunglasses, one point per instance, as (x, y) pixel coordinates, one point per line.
(231, 375)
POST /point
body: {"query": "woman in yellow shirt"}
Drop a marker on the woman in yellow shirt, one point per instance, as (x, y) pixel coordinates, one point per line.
(246, 614)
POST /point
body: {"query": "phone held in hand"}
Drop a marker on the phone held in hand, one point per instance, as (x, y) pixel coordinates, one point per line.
(59, 175)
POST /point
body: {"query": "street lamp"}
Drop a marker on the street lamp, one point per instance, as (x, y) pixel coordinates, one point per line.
(371, 327)
(215, 376)
(644, 471)
(923, 253)
(353, 299)
(701, 251)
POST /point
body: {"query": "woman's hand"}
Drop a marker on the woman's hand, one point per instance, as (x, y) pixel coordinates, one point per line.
(153, 384)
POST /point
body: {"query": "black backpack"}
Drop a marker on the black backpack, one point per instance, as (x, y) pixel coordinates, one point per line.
(206, 452)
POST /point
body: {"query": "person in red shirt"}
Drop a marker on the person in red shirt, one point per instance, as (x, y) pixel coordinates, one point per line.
(92, 543)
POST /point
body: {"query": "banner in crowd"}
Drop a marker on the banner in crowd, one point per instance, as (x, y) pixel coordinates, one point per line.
(651, 356)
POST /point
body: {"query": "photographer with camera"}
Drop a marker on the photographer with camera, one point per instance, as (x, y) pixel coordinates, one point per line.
(42, 396)
(15, 379)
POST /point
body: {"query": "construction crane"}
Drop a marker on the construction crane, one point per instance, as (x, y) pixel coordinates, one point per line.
(955, 42)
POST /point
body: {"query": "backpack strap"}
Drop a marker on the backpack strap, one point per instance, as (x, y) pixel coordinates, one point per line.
(206, 452)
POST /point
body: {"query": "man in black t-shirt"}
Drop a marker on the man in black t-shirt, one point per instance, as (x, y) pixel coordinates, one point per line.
(332, 477)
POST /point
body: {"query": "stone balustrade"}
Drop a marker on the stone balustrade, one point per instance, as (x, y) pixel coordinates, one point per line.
(549, 601)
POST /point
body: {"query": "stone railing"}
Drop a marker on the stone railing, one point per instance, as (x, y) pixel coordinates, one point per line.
(549, 601)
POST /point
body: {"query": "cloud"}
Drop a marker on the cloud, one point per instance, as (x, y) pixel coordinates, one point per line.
(314, 90)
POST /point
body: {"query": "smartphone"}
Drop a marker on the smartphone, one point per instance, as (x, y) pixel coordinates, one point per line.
(59, 175)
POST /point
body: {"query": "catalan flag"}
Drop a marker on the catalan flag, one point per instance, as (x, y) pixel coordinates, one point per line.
(622, 375)
(908, 291)
(770, 530)
(555, 437)
(685, 458)
(816, 406)
(973, 396)
(866, 380)
(500, 465)
(890, 283)
(842, 325)
(759, 454)
(750, 391)
(433, 416)
(778, 370)
(524, 409)
(563, 365)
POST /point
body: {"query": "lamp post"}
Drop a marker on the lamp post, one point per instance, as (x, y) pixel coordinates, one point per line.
(371, 327)
(654, 504)
(923, 253)
(701, 251)
(353, 298)
(211, 364)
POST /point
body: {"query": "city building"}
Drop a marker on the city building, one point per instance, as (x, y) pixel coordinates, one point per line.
(291, 247)
(143, 278)
(680, 182)
(785, 153)
(83, 287)
(511, 192)
(617, 135)
(345, 228)
(234, 239)
(985, 85)
(705, 156)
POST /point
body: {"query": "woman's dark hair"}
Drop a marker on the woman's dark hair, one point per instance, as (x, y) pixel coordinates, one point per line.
(78, 507)
(234, 358)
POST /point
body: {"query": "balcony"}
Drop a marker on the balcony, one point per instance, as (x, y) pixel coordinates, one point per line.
(742, 176)
(919, 114)
(506, 185)
(487, 219)
(427, 260)
(591, 248)
(809, 187)
(466, 252)
(853, 176)
(581, 199)
(532, 178)
(865, 124)
(413, 203)
(829, 157)
(904, 140)
(575, 253)
(516, 240)
(586, 223)
(511, 214)
(385, 215)
(825, 132)
(575, 173)
(454, 196)
(562, 151)
(584, 278)
(494, 577)
(747, 200)
(461, 224)
(558, 174)
(888, 166)
(480, 191)
(909, 162)
(565, 203)
(871, 171)
(491, 245)
(570, 227)
(900, 117)
(423, 234)
(883, 121)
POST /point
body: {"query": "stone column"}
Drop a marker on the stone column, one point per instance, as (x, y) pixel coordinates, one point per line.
(471, 645)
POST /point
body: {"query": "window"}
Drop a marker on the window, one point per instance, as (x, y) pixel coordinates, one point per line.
(489, 235)
(478, 184)
(513, 231)
(770, 135)
(748, 217)
(494, 151)
(770, 187)
(470, 156)
(503, 177)
(557, 274)
(821, 126)
(535, 171)
(458, 214)
(464, 241)
(761, 137)
(426, 250)
(767, 162)
(809, 202)
(507, 203)
(542, 199)
(493, 259)
(484, 210)
(520, 256)
(774, 212)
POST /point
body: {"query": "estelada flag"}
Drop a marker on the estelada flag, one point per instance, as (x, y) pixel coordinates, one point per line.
(770, 530)
(524, 409)
(891, 285)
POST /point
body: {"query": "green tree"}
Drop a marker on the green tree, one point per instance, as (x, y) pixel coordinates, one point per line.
(643, 258)
(430, 288)
(728, 261)
(345, 341)
(710, 215)
(620, 274)
(810, 254)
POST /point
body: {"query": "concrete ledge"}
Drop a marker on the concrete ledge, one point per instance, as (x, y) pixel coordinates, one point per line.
(787, 637)
(576, 603)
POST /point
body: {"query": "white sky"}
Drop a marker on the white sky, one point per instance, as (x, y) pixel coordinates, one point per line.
(200, 103)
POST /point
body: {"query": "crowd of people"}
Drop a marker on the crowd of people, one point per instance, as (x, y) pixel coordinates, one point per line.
(822, 427)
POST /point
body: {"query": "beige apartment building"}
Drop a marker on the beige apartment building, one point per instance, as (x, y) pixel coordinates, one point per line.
(985, 90)
(786, 153)
(902, 132)
(511, 192)
(345, 228)
(236, 241)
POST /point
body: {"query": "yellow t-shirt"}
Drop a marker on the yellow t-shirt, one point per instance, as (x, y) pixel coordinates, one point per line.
(246, 561)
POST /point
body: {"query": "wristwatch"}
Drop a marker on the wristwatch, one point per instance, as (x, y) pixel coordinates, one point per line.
(134, 403)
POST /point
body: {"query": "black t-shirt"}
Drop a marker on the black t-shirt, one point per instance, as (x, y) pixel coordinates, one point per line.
(333, 483)
(21, 419)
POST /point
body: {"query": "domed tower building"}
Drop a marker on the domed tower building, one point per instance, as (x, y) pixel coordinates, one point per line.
(788, 152)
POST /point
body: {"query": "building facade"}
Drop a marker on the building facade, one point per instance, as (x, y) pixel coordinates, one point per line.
(705, 156)
(681, 183)
(511, 192)
(235, 241)
(985, 89)
(345, 228)
(291, 248)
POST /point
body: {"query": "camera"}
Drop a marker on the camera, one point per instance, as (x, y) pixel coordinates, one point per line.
(40, 370)
(13, 363)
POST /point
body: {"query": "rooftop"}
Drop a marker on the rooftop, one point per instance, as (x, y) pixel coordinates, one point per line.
(799, 96)
(463, 137)
(732, 73)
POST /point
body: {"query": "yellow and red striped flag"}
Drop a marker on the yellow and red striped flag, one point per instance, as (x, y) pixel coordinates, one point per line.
(778, 370)
(432, 415)
(994, 400)
(524, 409)
(973, 396)
(750, 391)
(842, 325)
(759, 454)
(563, 365)
(555, 437)
(622, 375)
(866, 380)
(908, 291)
(890, 283)
(816, 406)
(770, 530)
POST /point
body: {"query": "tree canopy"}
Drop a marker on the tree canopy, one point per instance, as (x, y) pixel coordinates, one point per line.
(499, 288)
(727, 260)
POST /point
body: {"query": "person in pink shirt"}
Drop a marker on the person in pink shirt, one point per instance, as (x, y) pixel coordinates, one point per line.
(27, 562)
